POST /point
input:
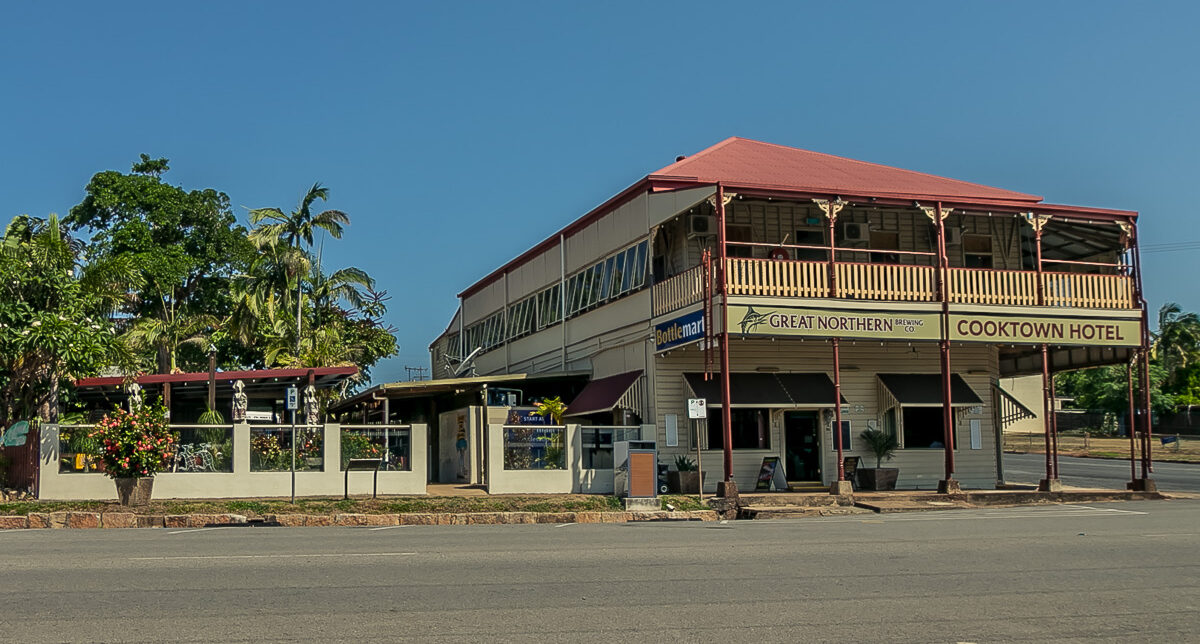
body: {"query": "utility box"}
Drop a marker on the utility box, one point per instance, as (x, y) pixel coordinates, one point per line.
(635, 469)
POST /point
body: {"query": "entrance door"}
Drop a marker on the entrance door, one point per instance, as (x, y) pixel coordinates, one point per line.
(803, 456)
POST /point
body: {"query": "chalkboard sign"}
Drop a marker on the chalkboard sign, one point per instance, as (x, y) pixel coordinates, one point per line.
(771, 472)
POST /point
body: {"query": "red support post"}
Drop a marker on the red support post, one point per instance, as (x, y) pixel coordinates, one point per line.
(726, 397)
(1132, 426)
(837, 410)
(944, 344)
(1047, 410)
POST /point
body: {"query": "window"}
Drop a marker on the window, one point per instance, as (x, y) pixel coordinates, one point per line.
(620, 279)
(846, 434)
(885, 241)
(606, 281)
(597, 278)
(977, 251)
(638, 268)
(751, 428)
(923, 428)
(811, 237)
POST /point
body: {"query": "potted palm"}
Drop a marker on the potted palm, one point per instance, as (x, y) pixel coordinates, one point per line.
(686, 479)
(883, 446)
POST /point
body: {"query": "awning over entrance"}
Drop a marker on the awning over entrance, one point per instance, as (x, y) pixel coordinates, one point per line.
(602, 394)
(925, 389)
(766, 389)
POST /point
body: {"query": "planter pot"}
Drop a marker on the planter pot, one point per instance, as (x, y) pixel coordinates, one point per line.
(134, 491)
(877, 478)
(684, 482)
(315, 462)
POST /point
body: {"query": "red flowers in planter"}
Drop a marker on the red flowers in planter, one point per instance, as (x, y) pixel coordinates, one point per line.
(137, 443)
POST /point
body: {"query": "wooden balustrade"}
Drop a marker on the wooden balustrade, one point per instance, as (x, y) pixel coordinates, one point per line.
(899, 283)
(778, 278)
(984, 286)
(895, 282)
(679, 290)
(1088, 290)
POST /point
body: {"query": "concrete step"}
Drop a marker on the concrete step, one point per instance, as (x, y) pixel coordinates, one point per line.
(909, 505)
(789, 499)
(763, 512)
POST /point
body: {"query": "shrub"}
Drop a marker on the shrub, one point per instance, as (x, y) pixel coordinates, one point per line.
(137, 443)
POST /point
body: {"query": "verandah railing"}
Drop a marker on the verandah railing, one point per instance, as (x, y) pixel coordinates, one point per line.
(901, 283)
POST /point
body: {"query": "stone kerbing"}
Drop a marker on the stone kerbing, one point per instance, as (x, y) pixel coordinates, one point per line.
(84, 520)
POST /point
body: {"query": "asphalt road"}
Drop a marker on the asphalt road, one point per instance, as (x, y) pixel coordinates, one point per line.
(1100, 472)
(1106, 573)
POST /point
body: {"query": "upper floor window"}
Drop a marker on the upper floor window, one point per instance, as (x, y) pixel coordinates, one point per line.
(977, 251)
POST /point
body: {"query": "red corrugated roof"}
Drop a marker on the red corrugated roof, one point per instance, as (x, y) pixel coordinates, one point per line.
(221, 376)
(744, 162)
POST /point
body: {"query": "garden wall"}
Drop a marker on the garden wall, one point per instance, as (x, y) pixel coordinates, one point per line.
(241, 482)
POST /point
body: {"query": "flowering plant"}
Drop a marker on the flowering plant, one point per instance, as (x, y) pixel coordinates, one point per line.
(137, 443)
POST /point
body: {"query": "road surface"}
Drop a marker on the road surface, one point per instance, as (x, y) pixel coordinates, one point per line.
(1100, 472)
(1116, 572)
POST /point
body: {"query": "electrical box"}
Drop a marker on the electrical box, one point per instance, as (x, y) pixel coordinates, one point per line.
(635, 469)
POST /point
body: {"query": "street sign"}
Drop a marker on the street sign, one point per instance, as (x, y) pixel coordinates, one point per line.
(293, 399)
(697, 408)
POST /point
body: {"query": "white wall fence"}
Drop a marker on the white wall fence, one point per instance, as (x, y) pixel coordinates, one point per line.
(540, 459)
(243, 460)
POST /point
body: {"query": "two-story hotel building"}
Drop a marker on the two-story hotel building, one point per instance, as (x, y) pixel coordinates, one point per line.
(800, 292)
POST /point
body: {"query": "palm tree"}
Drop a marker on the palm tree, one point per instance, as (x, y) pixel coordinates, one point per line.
(1176, 344)
(296, 230)
(165, 335)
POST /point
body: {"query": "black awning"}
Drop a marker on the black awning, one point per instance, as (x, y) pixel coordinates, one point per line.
(602, 394)
(766, 389)
(926, 389)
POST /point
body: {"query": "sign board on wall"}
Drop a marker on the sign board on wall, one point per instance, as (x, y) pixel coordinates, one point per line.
(1049, 330)
(697, 408)
(682, 330)
(796, 321)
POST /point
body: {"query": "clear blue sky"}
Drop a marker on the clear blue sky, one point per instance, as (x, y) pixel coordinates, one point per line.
(458, 134)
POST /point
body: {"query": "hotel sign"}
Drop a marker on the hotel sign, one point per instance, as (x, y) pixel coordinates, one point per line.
(680, 331)
(1048, 330)
(795, 321)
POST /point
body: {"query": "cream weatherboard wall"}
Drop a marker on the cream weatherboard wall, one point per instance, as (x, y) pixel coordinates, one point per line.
(920, 468)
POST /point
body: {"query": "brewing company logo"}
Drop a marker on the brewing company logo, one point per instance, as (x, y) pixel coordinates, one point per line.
(753, 319)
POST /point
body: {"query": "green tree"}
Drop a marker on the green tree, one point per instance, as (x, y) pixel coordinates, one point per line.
(1176, 343)
(186, 246)
(296, 231)
(55, 322)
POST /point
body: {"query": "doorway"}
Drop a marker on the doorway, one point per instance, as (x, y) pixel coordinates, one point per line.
(801, 436)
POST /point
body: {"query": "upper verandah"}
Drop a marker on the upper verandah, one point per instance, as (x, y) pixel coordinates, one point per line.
(755, 168)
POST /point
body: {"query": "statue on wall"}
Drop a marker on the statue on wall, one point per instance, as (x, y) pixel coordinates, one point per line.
(240, 402)
(310, 405)
(135, 397)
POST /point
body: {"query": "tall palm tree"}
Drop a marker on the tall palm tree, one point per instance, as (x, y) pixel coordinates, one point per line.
(297, 230)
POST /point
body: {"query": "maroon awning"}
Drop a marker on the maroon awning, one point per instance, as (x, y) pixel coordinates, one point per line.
(602, 394)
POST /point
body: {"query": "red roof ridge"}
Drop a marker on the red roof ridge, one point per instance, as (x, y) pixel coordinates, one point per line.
(677, 170)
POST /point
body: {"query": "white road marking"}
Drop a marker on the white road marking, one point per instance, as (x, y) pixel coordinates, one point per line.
(388, 527)
(288, 556)
(1173, 534)
(1088, 507)
(220, 527)
(943, 516)
(563, 525)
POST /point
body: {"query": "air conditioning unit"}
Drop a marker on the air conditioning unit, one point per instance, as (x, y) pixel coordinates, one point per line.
(701, 225)
(953, 236)
(855, 232)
